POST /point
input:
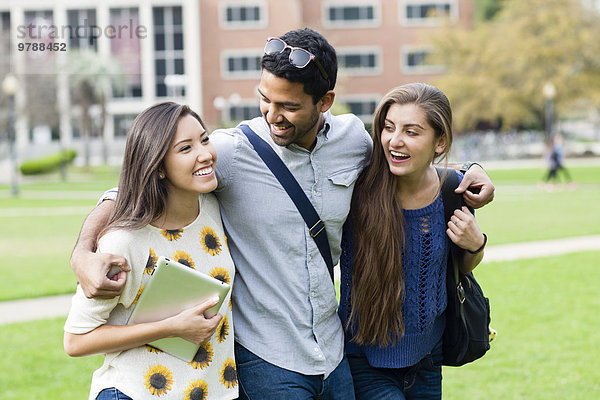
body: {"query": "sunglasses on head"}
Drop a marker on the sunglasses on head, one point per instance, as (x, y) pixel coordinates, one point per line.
(299, 57)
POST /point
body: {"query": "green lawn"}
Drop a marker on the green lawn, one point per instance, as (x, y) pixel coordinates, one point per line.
(545, 312)
(39, 229)
(35, 366)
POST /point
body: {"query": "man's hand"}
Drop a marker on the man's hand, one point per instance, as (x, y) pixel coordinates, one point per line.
(477, 187)
(100, 275)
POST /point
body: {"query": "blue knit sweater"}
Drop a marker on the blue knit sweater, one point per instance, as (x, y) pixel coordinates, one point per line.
(424, 267)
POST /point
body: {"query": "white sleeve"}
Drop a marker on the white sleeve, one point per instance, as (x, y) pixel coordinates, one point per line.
(87, 314)
(110, 194)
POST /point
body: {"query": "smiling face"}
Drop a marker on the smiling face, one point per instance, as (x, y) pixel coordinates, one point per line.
(290, 112)
(190, 160)
(408, 140)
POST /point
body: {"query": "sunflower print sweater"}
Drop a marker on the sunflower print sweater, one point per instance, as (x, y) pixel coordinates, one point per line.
(146, 372)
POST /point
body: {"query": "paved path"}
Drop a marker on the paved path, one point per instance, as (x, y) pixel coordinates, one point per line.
(58, 306)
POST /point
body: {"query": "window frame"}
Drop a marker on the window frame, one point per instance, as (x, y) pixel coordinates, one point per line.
(326, 6)
(362, 51)
(226, 55)
(427, 21)
(261, 23)
(406, 50)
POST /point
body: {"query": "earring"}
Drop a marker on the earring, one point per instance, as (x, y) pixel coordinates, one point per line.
(161, 175)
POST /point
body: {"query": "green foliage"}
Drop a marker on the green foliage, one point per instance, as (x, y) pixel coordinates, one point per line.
(496, 72)
(48, 164)
(486, 10)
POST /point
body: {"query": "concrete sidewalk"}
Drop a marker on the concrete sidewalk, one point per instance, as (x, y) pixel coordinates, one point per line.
(58, 306)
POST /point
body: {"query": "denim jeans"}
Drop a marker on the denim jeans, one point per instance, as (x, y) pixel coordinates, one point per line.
(112, 394)
(260, 380)
(420, 381)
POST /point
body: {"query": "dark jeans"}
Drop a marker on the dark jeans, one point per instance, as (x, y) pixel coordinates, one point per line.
(112, 394)
(260, 380)
(420, 381)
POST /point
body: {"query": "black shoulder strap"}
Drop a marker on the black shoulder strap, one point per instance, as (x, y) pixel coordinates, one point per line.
(315, 225)
(451, 201)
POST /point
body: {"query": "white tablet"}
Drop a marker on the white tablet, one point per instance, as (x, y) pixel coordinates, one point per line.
(173, 288)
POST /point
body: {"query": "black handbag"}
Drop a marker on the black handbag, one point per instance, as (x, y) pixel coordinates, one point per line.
(467, 333)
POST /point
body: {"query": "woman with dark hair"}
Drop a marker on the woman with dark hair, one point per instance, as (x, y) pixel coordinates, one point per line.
(394, 250)
(164, 207)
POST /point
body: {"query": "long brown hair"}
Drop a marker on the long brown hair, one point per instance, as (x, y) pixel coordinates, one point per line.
(379, 227)
(142, 193)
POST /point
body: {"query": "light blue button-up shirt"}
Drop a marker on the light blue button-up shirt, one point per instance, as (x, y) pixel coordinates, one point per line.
(284, 302)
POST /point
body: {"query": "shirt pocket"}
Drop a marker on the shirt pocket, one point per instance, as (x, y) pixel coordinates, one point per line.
(339, 192)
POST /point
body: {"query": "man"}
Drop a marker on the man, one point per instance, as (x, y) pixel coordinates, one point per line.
(289, 339)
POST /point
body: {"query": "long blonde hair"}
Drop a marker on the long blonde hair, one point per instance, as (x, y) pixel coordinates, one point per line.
(379, 227)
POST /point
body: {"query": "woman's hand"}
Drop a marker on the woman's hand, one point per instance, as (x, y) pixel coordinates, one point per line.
(192, 325)
(477, 187)
(464, 231)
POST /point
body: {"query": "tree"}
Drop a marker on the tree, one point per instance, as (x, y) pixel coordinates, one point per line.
(496, 72)
(93, 77)
(486, 9)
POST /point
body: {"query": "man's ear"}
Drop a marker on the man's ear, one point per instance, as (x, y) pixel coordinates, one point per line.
(326, 101)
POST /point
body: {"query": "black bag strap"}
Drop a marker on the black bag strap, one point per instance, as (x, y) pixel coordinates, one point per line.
(316, 226)
(452, 201)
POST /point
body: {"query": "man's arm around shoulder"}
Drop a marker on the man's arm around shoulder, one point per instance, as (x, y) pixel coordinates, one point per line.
(92, 268)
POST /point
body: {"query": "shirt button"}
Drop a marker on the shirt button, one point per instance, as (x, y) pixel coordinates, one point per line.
(312, 294)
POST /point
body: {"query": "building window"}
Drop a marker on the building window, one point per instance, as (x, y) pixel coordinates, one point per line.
(243, 112)
(416, 61)
(168, 47)
(352, 14)
(359, 62)
(428, 12)
(243, 15)
(40, 28)
(241, 66)
(5, 64)
(81, 24)
(362, 106)
(125, 47)
(123, 123)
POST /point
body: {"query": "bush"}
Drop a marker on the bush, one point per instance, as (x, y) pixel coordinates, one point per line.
(48, 164)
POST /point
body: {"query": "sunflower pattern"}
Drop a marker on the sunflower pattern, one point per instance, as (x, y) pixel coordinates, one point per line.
(171, 234)
(158, 380)
(203, 357)
(139, 293)
(222, 330)
(152, 349)
(147, 371)
(228, 374)
(221, 274)
(184, 258)
(151, 263)
(198, 390)
(210, 241)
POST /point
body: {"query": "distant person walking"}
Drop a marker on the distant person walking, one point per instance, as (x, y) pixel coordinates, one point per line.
(556, 156)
